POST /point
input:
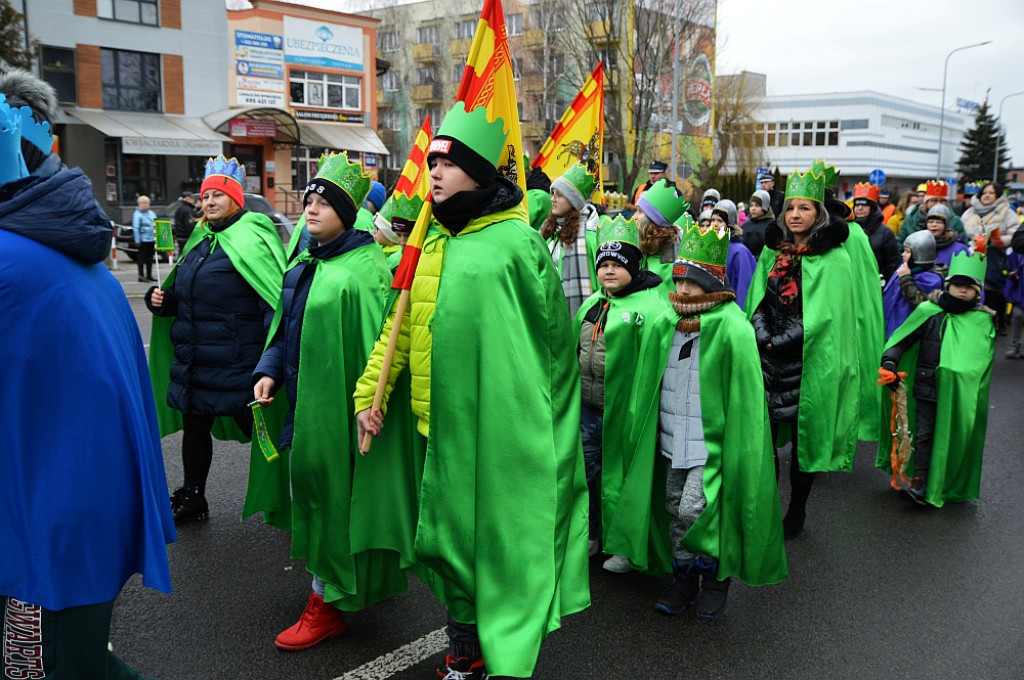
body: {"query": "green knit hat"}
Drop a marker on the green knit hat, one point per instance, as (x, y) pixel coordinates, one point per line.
(663, 203)
(577, 185)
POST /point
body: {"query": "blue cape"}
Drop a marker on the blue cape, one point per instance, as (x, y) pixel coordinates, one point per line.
(83, 495)
(895, 306)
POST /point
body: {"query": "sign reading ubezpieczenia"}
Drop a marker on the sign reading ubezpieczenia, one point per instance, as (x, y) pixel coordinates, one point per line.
(316, 43)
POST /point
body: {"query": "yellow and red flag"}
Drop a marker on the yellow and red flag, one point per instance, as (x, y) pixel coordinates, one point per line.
(579, 135)
(414, 180)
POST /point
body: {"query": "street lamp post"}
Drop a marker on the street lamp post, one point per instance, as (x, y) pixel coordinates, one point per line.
(999, 122)
(942, 111)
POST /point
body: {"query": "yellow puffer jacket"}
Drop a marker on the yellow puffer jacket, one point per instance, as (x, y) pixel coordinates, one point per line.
(415, 339)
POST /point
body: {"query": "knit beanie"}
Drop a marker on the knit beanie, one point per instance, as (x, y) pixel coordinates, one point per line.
(460, 129)
(577, 185)
(378, 194)
(711, 196)
(342, 183)
(332, 193)
(626, 254)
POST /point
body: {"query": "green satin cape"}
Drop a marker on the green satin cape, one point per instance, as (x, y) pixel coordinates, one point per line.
(870, 321)
(961, 415)
(633, 515)
(741, 526)
(503, 510)
(829, 414)
(352, 518)
(256, 252)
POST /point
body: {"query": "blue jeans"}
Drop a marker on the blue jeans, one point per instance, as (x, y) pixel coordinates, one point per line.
(591, 431)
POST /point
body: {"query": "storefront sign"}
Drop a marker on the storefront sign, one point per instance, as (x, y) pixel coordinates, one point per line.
(171, 147)
(259, 68)
(334, 117)
(260, 84)
(249, 127)
(316, 43)
(253, 98)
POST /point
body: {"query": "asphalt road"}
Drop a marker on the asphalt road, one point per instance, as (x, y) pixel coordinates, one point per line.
(877, 589)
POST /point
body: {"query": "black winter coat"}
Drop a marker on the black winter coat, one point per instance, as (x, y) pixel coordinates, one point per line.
(929, 334)
(782, 327)
(218, 333)
(883, 243)
(753, 234)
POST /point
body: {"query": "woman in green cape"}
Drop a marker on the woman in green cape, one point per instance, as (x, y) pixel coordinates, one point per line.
(571, 233)
(657, 210)
(801, 302)
(212, 315)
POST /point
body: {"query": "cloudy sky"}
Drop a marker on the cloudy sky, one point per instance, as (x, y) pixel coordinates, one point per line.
(894, 47)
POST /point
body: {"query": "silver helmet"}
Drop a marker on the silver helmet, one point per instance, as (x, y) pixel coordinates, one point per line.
(922, 247)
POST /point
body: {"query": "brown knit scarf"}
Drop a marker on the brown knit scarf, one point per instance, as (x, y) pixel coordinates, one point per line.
(690, 307)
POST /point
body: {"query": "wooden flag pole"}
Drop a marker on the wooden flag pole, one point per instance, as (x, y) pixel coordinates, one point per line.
(385, 368)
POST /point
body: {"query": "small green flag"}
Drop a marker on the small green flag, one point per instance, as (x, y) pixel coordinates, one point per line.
(262, 437)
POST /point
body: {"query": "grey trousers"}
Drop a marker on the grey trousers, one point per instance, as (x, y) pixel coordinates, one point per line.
(684, 500)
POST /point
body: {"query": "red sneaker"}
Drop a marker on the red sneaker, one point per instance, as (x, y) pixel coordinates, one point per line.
(319, 621)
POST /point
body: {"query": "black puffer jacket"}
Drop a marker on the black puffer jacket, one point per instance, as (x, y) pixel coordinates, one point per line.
(883, 243)
(782, 327)
(219, 331)
(753, 233)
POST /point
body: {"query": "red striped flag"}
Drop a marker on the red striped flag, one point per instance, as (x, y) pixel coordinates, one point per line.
(415, 181)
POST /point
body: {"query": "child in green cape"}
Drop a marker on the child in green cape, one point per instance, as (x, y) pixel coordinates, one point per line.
(610, 327)
(946, 349)
(334, 299)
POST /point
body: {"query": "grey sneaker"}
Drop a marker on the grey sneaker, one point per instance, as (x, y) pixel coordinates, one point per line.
(617, 564)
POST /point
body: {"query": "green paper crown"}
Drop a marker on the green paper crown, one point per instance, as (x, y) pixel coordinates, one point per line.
(971, 266)
(584, 181)
(706, 248)
(337, 169)
(472, 128)
(665, 198)
(810, 185)
(618, 229)
(685, 221)
(829, 171)
(406, 207)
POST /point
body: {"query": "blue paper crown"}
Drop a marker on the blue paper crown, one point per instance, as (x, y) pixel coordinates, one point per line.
(228, 167)
(12, 163)
(38, 133)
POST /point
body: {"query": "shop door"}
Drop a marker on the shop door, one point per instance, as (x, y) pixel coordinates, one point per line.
(252, 158)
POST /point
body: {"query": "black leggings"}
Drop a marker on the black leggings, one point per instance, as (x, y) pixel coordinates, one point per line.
(197, 446)
(800, 482)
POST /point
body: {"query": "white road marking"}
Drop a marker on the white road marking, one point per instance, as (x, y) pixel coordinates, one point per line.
(394, 662)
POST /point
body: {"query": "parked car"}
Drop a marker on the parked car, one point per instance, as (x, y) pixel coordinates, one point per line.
(124, 234)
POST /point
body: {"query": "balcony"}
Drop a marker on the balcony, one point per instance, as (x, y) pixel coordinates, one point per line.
(601, 32)
(427, 94)
(460, 48)
(385, 99)
(534, 39)
(388, 138)
(532, 84)
(426, 52)
(534, 130)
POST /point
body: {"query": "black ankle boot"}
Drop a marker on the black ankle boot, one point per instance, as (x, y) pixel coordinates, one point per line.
(682, 592)
(191, 505)
(793, 522)
(713, 597)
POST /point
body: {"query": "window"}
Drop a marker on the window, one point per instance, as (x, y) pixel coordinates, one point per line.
(514, 24)
(57, 67)
(551, 19)
(427, 75)
(388, 41)
(435, 117)
(140, 174)
(390, 119)
(429, 34)
(131, 80)
(466, 29)
(601, 11)
(134, 11)
(457, 72)
(859, 124)
(609, 56)
(391, 81)
(556, 64)
(325, 90)
(304, 160)
(517, 67)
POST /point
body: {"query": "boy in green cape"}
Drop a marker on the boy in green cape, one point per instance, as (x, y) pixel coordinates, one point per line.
(946, 349)
(495, 386)
(333, 302)
(626, 506)
(395, 222)
(702, 382)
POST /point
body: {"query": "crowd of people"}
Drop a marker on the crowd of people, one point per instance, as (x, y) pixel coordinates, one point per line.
(635, 380)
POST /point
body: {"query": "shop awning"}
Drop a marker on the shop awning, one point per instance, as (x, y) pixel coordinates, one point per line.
(155, 133)
(287, 127)
(342, 137)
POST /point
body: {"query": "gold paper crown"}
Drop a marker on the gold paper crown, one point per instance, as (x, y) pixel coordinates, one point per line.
(865, 190)
(810, 185)
(337, 169)
(704, 247)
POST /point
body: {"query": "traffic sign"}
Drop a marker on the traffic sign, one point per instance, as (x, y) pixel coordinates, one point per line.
(877, 177)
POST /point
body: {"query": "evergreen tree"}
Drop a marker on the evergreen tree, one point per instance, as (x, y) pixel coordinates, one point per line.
(14, 52)
(978, 148)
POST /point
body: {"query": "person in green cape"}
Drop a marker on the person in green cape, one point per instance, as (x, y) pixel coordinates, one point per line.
(495, 386)
(657, 209)
(397, 218)
(945, 349)
(701, 382)
(571, 233)
(801, 302)
(626, 507)
(212, 315)
(333, 302)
